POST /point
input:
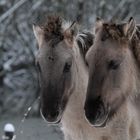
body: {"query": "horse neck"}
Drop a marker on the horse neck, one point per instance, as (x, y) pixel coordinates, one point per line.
(81, 74)
(76, 101)
(73, 121)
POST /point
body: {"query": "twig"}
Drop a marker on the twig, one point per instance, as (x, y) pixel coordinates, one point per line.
(120, 6)
(11, 10)
(79, 15)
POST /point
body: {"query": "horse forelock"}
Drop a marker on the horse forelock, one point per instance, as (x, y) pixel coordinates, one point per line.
(53, 28)
(113, 31)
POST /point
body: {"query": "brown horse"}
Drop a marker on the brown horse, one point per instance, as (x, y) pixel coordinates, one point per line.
(114, 79)
(63, 76)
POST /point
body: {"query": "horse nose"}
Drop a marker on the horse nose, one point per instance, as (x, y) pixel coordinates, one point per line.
(52, 116)
(88, 111)
(95, 111)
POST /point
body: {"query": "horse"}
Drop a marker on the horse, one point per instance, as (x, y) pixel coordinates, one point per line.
(112, 98)
(63, 76)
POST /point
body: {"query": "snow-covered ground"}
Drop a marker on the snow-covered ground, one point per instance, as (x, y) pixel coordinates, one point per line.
(32, 129)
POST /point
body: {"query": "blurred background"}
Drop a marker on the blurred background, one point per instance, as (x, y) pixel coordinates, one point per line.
(18, 75)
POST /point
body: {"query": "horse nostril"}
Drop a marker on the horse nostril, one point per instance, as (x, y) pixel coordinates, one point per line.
(92, 107)
(53, 115)
(51, 58)
(87, 114)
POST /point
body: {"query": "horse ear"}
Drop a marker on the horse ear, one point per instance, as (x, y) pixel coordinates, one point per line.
(71, 32)
(129, 28)
(98, 24)
(39, 33)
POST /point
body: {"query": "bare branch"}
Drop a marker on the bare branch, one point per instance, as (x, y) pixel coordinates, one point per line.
(11, 10)
(118, 9)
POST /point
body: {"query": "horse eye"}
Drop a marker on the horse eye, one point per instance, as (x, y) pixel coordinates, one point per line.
(87, 63)
(67, 67)
(113, 65)
(38, 66)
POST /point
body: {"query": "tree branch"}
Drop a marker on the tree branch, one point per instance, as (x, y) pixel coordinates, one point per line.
(11, 10)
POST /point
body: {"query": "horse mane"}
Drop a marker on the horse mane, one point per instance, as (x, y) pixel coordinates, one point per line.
(85, 41)
(52, 27)
(113, 31)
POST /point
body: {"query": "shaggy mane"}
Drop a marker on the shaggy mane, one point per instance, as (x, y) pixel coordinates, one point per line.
(53, 28)
(85, 41)
(114, 31)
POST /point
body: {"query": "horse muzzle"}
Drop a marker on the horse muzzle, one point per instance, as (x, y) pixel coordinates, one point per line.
(96, 113)
(52, 117)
